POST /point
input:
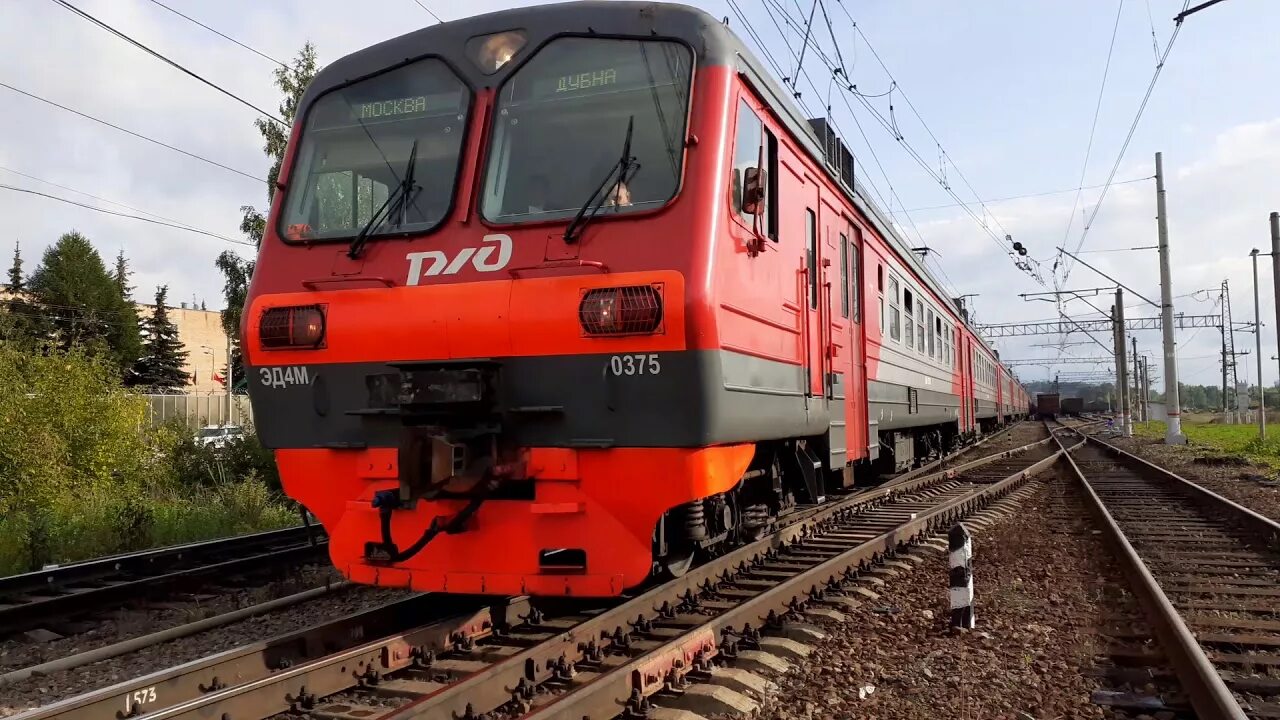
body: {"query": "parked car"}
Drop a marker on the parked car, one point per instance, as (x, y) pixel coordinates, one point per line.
(218, 435)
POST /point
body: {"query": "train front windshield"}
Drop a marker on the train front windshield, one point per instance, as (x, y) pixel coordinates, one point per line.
(562, 120)
(357, 148)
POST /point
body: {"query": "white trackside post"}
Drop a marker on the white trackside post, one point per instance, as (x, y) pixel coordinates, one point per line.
(961, 544)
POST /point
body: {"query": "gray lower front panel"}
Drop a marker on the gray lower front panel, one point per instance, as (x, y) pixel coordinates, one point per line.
(666, 399)
(898, 406)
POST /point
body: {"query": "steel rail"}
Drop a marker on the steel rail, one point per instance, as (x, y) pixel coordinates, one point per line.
(1261, 525)
(621, 688)
(190, 680)
(198, 688)
(143, 559)
(297, 689)
(89, 596)
(64, 590)
(1207, 692)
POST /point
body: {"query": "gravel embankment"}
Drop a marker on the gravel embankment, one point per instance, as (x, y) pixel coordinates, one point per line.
(1042, 595)
(1253, 486)
(37, 691)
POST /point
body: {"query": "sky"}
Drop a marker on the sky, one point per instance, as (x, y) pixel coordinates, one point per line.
(1005, 92)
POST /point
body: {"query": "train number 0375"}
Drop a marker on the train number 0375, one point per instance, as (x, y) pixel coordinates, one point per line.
(635, 365)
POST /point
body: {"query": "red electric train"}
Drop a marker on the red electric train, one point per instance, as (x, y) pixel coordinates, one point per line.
(556, 298)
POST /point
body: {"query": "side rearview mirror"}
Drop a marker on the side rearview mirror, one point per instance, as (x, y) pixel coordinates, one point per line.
(753, 184)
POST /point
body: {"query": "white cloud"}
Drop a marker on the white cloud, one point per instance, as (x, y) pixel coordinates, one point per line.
(1218, 204)
(1218, 192)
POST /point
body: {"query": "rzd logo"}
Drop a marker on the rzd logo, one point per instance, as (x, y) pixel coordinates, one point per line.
(481, 259)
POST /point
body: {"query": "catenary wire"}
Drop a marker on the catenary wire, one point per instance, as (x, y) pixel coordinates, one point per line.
(89, 195)
(126, 215)
(1093, 128)
(126, 131)
(429, 11)
(1133, 127)
(1007, 198)
(81, 13)
(220, 34)
(809, 80)
(891, 127)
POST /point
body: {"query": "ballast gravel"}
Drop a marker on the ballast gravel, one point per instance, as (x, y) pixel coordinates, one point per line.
(43, 690)
(18, 651)
(1256, 487)
(1044, 584)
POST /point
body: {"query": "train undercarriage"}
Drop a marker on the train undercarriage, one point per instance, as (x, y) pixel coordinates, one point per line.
(784, 476)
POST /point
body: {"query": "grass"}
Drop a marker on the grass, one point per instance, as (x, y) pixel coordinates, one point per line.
(105, 523)
(1236, 440)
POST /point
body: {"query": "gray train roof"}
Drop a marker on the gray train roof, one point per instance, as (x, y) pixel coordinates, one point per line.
(712, 41)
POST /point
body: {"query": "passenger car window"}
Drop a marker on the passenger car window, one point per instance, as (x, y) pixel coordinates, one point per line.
(895, 327)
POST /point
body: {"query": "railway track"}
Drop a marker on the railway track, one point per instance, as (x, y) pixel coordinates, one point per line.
(572, 658)
(1205, 570)
(59, 595)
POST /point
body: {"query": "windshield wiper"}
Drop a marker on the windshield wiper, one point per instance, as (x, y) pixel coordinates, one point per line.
(622, 168)
(395, 205)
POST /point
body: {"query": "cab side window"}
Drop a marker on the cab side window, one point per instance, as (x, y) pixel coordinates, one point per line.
(755, 149)
(746, 154)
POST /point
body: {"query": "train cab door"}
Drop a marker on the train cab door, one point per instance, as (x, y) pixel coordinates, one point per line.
(971, 389)
(812, 281)
(852, 386)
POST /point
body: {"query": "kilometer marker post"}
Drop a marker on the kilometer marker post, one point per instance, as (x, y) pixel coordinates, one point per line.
(961, 546)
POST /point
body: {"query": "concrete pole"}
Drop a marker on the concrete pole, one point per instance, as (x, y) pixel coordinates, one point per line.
(231, 371)
(1146, 391)
(1122, 368)
(1275, 264)
(1173, 431)
(1257, 338)
(1137, 379)
(1226, 417)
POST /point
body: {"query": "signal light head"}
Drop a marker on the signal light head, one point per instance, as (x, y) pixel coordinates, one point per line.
(292, 328)
(629, 310)
(491, 52)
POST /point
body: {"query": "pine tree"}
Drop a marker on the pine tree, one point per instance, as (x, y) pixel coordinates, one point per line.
(163, 356)
(16, 282)
(121, 276)
(80, 302)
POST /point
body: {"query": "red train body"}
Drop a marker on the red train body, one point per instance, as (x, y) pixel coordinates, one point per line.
(479, 381)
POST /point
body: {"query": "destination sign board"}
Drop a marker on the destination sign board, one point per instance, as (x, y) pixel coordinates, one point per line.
(391, 108)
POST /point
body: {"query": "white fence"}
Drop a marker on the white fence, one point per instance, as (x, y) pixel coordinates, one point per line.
(199, 410)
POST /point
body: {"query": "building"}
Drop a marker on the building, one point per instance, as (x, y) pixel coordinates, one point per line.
(200, 332)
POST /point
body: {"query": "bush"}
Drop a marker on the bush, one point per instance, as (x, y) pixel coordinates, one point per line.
(81, 474)
(195, 465)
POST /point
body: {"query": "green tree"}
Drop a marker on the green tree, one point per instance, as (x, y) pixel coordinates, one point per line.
(237, 271)
(121, 276)
(69, 438)
(163, 356)
(17, 282)
(80, 302)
